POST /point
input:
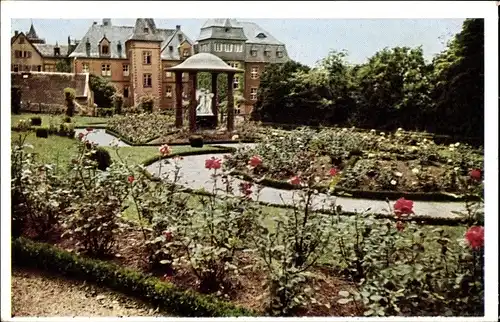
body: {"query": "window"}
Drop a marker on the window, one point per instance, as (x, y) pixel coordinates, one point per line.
(261, 36)
(147, 80)
(126, 70)
(17, 53)
(168, 74)
(254, 74)
(267, 53)
(146, 57)
(185, 52)
(179, 36)
(236, 82)
(279, 54)
(85, 67)
(49, 68)
(238, 48)
(21, 40)
(228, 48)
(125, 91)
(253, 93)
(234, 65)
(168, 91)
(218, 46)
(39, 68)
(22, 54)
(105, 70)
(105, 50)
(146, 30)
(253, 52)
(204, 48)
(15, 68)
(170, 48)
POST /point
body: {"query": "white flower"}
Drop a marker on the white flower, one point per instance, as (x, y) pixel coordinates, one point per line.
(414, 183)
(372, 131)
(450, 161)
(415, 170)
(424, 140)
(457, 144)
(371, 155)
(452, 148)
(394, 182)
(235, 137)
(456, 168)
(398, 174)
(452, 145)
(382, 133)
(400, 129)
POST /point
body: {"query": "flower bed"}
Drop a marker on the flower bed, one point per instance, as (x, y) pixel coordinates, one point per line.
(141, 128)
(366, 161)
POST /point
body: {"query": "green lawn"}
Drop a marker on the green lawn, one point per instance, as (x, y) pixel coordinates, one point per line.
(78, 120)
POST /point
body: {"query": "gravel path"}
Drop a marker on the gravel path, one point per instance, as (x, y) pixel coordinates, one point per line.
(100, 137)
(38, 294)
(194, 175)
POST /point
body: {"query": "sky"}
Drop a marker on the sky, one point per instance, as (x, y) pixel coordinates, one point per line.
(306, 40)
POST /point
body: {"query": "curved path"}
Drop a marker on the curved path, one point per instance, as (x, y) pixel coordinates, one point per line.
(195, 176)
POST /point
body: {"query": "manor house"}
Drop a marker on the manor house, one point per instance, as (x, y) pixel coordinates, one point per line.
(135, 58)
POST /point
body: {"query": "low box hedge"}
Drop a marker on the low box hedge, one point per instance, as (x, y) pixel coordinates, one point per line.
(166, 296)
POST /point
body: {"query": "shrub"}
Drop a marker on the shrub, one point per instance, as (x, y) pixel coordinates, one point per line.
(15, 99)
(66, 119)
(102, 157)
(103, 112)
(196, 141)
(66, 129)
(69, 96)
(103, 90)
(118, 103)
(164, 295)
(42, 133)
(36, 121)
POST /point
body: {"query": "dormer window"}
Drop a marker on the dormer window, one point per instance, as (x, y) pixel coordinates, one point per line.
(279, 53)
(185, 52)
(253, 52)
(267, 53)
(226, 30)
(104, 50)
(57, 51)
(146, 30)
(180, 37)
(171, 48)
(261, 36)
(119, 47)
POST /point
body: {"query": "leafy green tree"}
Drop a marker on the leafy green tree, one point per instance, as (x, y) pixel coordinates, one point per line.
(63, 65)
(392, 89)
(459, 83)
(273, 103)
(103, 91)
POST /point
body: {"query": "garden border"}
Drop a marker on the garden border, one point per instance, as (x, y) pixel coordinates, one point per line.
(167, 296)
(361, 194)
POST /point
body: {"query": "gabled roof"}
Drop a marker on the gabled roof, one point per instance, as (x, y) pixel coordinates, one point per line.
(145, 30)
(47, 50)
(174, 42)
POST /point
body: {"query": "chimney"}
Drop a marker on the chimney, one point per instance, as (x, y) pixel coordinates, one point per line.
(95, 23)
(69, 41)
(178, 27)
(106, 22)
(16, 32)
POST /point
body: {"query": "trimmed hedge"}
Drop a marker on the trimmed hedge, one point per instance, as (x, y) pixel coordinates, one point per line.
(36, 121)
(196, 141)
(42, 133)
(166, 296)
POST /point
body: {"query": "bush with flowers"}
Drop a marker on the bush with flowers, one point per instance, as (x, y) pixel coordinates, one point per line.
(141, 128)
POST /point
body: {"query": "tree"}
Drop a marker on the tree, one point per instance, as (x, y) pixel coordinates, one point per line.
(392, 89)
(63, 65)
(459, 83)
(273, 102)
(103, 91)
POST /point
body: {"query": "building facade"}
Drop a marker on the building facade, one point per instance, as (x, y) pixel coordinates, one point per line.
(135, 58)
(243, 45)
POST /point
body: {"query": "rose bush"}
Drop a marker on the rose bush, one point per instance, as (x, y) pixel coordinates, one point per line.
(141, 128)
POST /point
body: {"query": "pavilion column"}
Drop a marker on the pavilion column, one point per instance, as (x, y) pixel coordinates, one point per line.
(215, 108)
(230, 102)
(192, 103)
(178, 99)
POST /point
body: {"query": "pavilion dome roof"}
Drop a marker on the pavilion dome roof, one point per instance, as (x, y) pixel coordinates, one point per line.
(204, 62)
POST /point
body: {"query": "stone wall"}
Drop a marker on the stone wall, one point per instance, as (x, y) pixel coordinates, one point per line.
(44, 92)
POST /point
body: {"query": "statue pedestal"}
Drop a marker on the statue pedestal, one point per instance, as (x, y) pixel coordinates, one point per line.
(206, 122)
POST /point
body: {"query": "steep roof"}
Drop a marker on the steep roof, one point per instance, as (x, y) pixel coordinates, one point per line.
(145, 30)
(251, 31)
(47, 50)
(174, 42)
(32, 33)
(94, 35)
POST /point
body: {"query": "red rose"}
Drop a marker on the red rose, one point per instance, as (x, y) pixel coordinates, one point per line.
(255, 161)
(475, 174)
(213, 163)
(403, 207)
(130, 179)
(400, 226)
(294, 180)
(475, 236)
(333, 172)
(80, 136)
(165, 150)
